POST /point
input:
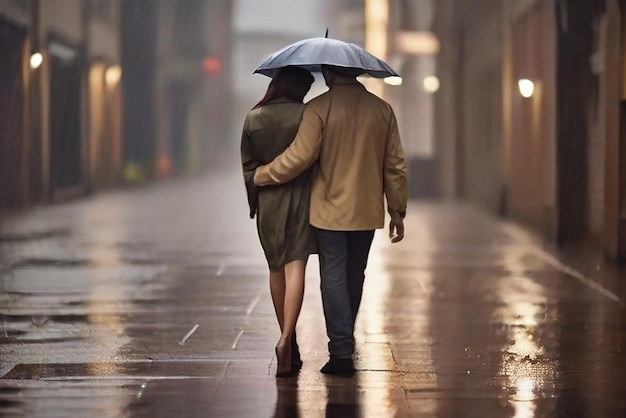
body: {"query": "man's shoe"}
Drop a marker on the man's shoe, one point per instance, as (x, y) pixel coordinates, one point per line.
(339, 367)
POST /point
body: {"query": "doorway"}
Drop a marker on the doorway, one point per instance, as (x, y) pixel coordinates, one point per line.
(65, 121)
(12, 132)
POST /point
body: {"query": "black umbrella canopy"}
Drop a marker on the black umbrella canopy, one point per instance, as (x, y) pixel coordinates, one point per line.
(312, 53)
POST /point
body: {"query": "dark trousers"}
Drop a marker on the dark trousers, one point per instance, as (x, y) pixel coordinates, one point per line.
(343, 258)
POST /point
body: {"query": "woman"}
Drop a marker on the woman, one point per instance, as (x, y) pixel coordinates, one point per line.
(282, 212)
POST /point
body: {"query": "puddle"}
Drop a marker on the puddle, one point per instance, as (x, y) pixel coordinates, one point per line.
(134, 370)
(78, 262)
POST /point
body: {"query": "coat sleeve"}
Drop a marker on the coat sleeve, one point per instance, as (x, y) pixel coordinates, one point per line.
(249, 165)
(300, 155)
(394, 169)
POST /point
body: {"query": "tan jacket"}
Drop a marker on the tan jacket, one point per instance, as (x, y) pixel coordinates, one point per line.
(353, 136)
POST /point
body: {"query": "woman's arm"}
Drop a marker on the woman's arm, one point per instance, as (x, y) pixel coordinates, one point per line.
(299, 156)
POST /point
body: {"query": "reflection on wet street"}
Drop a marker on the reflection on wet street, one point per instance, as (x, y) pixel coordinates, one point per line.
(154, 302)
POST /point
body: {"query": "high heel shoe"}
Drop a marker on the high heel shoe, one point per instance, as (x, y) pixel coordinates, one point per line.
(296, 361)
(283, 360)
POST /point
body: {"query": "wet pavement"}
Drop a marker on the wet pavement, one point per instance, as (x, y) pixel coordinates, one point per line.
(154, 303)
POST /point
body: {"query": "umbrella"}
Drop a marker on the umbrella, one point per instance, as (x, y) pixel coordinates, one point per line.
(312, 53)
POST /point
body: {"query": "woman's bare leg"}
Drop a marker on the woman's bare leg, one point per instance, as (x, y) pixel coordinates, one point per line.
(294, 293)
(277, 289)
(287, 288)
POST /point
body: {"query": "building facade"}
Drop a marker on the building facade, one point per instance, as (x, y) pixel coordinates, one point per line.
(104, 120)
(95, 93)
(529, 119)
(15, 82)
(411, 50)
(60, 99)
(44, 92)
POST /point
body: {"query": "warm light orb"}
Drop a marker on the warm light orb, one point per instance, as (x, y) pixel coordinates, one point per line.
(526, 87)
(393, 81)
(113, 75)
(36, 60)
(431, 84)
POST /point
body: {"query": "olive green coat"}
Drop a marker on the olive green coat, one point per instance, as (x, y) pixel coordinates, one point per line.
(282, 212)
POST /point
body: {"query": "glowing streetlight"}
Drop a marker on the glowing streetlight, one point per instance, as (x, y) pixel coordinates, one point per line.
(431, 84)
(393, 81)
(113, 75)
(36, 60)
(526, 87)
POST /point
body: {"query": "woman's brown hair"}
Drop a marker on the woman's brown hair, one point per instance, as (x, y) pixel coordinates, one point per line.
(291, 82)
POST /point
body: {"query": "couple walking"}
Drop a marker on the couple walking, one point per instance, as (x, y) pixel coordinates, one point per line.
(316, 177)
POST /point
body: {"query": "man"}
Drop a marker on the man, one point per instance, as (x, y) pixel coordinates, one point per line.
(352, 137)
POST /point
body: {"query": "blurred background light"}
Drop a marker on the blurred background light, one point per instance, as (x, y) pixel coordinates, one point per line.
(376, 30)
(417, 43)
(526, 87)
(113, 75)
(393, 81)
(376, 20)
(431, 84)
(212, 65)
(36, 60)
